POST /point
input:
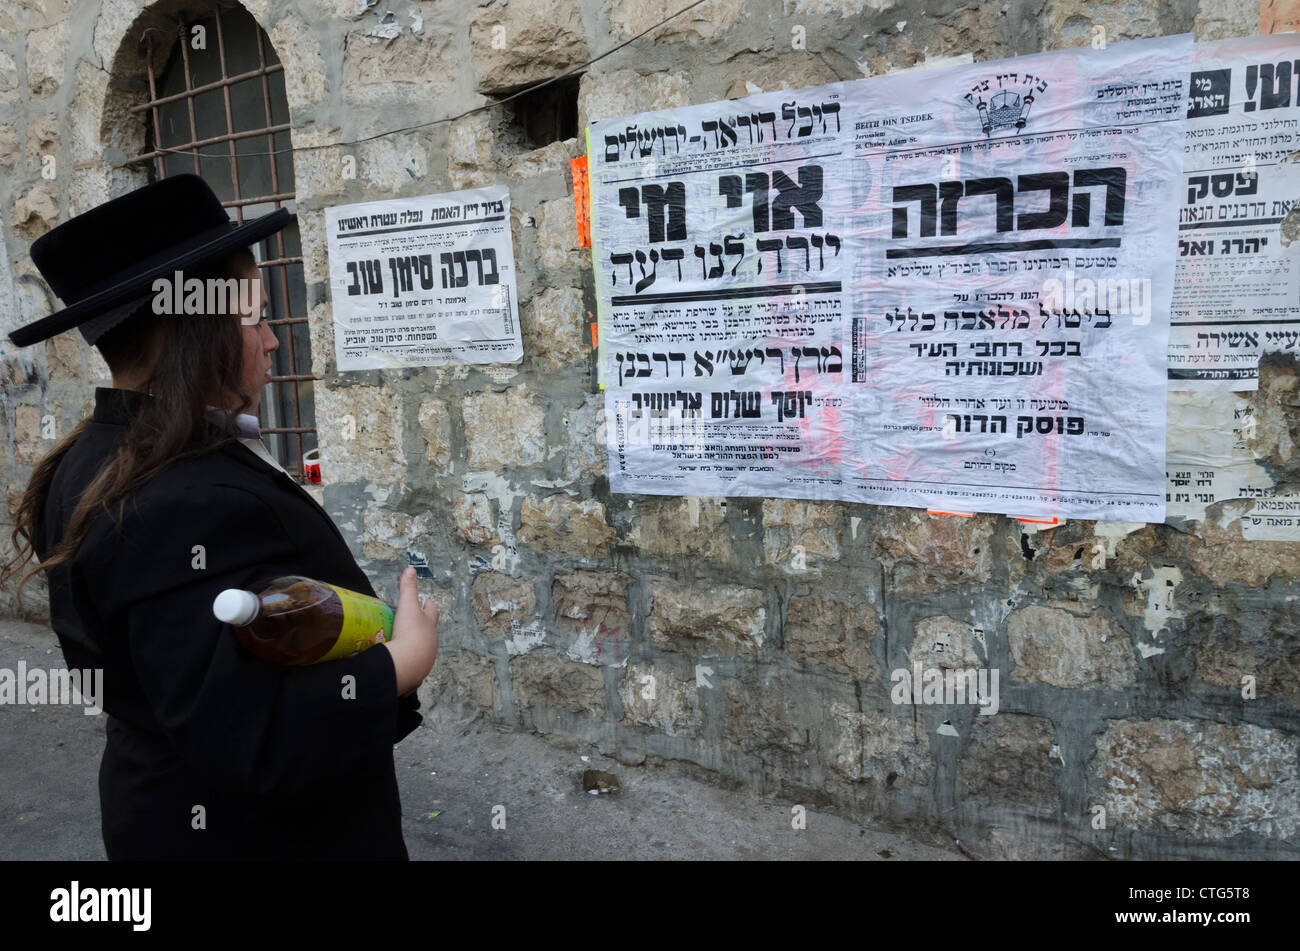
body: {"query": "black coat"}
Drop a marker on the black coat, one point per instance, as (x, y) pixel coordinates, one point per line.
(282, 763)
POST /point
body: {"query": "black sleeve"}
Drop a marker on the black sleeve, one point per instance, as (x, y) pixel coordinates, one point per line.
(240, 723)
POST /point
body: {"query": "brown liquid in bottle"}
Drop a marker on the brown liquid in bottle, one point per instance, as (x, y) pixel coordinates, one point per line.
(300, 620)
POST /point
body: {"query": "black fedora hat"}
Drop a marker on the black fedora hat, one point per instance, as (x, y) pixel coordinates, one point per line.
(103, 263)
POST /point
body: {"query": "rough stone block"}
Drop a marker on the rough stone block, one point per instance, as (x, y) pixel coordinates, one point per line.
(927, 552)
(1197, 778)
(1262, 644)
(472, 515)
(707, 619)
(564, 526)
(504, 430)
(1070, 23)
(525, 42)
(8, 146)
(682, 528)
(702, 23)
(798, 534)
(388, 535)
(42, 139)
(945, 643)
(1053, 646)
(545, 685)
(402, 67)
(764, 715)
(435, 426)
(29, 446)
(658, 696)
(1223, 556)
(822, 633)
(549, 158)
(36, 211)
(750, 73)
(47, 52)
(585, 453)
(392, 162)
(499, 599)
(878, 748)
(1009, 760)
(557, 235)
(299, 49)
(1221, 19)
(63, 357)
(555, 328)
(460, 683)
(361, 435)
(592, 602)
(625, 92)
(8, 73)
(318, 171)
(469, 154)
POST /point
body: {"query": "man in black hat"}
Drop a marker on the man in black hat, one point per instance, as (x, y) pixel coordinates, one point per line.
(158, 502)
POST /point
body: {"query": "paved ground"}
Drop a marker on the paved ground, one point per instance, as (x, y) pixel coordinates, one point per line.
(49, 800)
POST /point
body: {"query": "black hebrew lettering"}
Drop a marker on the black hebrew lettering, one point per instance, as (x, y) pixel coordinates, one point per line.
(940, 203)
(790, 403)
(367, 278)
(1273, 83)
(803, 197)
(657, 198)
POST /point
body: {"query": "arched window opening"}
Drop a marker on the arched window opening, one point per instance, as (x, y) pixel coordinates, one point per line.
(217, 107)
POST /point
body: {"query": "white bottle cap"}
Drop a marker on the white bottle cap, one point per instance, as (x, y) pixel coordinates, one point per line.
(236, 606)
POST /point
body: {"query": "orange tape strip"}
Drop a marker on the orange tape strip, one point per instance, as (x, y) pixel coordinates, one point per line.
(581, 200)
(957, 514)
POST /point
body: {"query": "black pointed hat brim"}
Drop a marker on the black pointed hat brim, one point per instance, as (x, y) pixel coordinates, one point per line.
(203, 248)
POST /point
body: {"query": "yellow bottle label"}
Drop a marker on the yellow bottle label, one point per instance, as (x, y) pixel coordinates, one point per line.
(367, 621)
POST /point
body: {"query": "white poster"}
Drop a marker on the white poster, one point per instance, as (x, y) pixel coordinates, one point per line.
(947, 289)
(424, 281)
(1237, 289)
(721, 254)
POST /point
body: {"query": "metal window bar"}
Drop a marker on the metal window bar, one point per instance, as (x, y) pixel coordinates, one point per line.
(286, 411)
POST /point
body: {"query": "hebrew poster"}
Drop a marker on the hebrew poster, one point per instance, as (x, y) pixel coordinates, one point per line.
(1237, 289)
(947, 289)
(424, 281)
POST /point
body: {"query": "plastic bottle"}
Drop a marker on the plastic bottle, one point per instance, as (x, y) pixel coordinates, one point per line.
(302, 621)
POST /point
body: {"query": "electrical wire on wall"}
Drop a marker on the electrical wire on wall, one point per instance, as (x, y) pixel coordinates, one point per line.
(468, 112)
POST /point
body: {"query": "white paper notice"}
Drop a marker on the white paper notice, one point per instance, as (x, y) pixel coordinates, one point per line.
(1237, 289)
(424, 281)
(1010, 307)
(946, 289)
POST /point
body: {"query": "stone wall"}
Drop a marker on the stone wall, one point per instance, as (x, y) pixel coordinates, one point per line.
(754, 638)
